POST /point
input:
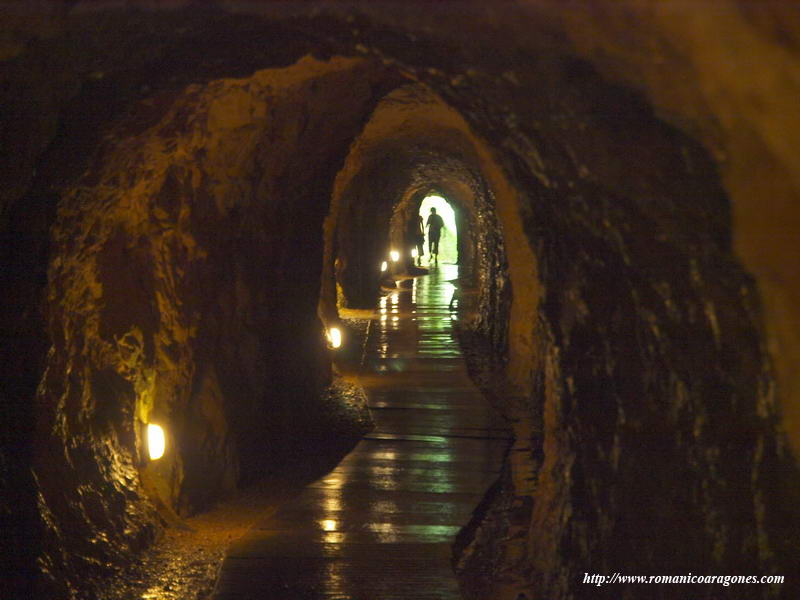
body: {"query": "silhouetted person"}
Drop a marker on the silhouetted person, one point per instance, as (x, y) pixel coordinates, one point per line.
(434, 224)
(415, 235)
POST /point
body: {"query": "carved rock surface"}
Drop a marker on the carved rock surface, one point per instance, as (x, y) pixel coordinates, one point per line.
(163, 207)
(182, 291)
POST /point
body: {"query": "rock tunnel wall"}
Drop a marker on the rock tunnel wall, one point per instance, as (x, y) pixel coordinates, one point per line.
(183, 291)
(413, 144)
(653, 372)
(633, 355)
(648, 366)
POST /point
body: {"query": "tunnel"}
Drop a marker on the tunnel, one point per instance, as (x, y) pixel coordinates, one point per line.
(197, 195)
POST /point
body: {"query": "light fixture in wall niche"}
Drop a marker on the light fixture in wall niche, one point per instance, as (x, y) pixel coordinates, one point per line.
(156, 441)
(384, 266)
(414, 253)
(334, 337)
(394, 255)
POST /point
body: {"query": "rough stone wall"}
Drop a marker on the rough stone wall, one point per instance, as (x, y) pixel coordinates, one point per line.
(689, 59)
(650, 442)
(655, 379)
(183, 291)
(64, 94)
(728, 73)
(635, 341)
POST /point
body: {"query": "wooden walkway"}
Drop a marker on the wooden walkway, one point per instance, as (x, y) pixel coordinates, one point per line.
(381, 525)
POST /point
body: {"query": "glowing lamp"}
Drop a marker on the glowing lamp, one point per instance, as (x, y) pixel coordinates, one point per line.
(156, 442)
(328, 525)
(335, 337)
(384, 266)
(394, 255)
(414, 253)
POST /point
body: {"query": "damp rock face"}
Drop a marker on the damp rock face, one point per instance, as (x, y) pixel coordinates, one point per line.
(657, 421)
(413, 144)
(182, 291)
(182, 181)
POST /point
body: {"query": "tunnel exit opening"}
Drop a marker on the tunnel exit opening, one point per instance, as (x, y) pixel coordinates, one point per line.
(447, 247)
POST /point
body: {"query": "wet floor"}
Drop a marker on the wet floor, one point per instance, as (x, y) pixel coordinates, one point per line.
(381, 525)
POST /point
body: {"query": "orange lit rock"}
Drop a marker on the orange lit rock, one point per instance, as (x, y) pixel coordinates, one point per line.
(641, 160)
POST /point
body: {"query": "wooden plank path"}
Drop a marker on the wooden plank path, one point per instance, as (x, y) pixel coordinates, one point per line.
(381, 525)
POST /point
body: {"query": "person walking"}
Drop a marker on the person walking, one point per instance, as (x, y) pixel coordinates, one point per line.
(434, 225)
(415, 235)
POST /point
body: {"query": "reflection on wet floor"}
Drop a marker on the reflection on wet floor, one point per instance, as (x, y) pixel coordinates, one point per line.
(380, 526)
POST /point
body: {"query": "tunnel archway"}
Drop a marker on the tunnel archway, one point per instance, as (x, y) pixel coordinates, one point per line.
(622, 332)
(448, 248)
(413, 141)
(460, 203)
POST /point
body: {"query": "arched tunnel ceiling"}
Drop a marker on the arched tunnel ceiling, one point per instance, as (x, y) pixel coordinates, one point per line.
(688, 58)
(632, 322)
(414, 139)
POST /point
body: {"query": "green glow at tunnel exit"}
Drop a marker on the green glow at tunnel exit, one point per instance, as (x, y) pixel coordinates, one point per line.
(448, 251)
